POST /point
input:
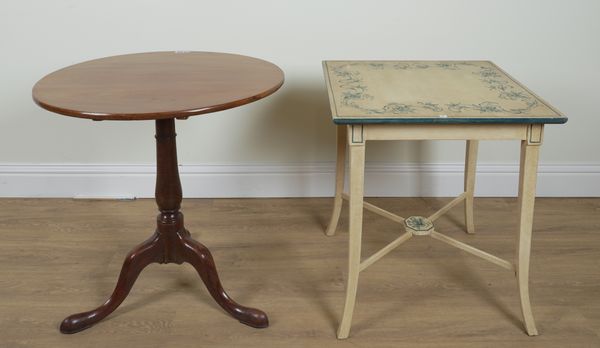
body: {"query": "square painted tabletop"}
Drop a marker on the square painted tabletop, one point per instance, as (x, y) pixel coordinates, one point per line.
(431, 92)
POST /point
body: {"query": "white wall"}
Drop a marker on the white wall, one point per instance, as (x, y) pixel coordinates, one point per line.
(551, 46)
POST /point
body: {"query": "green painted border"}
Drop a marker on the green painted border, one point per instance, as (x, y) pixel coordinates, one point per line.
(450, 120)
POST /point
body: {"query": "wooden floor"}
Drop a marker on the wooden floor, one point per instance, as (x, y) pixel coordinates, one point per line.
(62, 256)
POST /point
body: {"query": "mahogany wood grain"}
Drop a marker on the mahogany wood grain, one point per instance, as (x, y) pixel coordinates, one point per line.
(160, 86)
(157, 85)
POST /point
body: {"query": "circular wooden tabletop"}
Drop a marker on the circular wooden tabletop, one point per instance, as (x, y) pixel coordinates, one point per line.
(157, 85)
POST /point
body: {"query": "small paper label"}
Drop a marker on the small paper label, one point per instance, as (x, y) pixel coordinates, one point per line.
(444, 116)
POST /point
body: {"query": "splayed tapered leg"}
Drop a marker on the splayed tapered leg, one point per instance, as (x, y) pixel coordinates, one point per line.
(357, 169)
(470, 170)
(340, 167)
(527, 183)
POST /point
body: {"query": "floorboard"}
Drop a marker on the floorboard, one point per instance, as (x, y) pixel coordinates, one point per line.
(61, 256)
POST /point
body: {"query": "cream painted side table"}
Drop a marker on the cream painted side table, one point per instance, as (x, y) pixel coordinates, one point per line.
(433, 100)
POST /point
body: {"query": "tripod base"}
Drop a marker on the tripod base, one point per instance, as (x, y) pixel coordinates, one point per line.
(171, 243)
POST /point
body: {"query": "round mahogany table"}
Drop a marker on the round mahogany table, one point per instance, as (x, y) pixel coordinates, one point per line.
(160, 86)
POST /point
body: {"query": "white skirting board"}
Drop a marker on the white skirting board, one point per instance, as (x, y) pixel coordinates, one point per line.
(291, 180)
